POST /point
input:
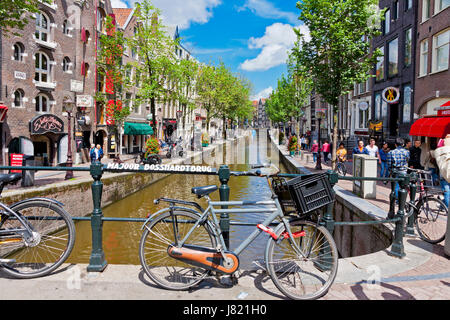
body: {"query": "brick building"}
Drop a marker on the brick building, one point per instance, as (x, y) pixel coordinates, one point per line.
(432, 87)
(52, 61)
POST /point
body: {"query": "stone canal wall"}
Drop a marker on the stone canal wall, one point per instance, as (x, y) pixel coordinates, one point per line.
(77, 194)
(351, 240)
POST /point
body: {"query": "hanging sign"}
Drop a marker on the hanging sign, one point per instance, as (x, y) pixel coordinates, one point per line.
(46, 123)
(391, 95)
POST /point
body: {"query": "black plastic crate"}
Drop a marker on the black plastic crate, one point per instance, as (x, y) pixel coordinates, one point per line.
(311, 192)
(281, 189)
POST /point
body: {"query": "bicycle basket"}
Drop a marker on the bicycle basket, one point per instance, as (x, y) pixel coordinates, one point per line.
(311, 192)
(281, 189)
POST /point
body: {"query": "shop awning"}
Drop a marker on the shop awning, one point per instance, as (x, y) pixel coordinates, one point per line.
(437, 127)
(137, 129)
(3, 110)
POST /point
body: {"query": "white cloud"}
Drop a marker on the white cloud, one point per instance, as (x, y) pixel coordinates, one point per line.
(119, 4)
(184, 12)
(278, 39)
(263, 94)
(265, 9)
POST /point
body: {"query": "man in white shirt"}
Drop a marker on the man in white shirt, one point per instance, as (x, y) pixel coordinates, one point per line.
(373, 150)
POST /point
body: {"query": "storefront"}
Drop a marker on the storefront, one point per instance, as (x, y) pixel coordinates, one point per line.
(435, 126)
(134, 136)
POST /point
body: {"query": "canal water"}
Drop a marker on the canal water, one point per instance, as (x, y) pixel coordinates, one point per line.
(121, 239)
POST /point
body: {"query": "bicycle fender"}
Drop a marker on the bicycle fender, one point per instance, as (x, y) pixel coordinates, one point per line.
(151, 217)
(49, 200)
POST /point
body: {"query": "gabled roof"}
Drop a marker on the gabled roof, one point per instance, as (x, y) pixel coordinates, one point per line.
(123, 15)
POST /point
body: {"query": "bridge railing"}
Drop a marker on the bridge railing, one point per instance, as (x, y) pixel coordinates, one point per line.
(97, 262)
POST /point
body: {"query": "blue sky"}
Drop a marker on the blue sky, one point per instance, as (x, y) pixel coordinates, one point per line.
(251, 37)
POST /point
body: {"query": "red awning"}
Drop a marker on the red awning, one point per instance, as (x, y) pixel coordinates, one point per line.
(3, 111)
(437, 127)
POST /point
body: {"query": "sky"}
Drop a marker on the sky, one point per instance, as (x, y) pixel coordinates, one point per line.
(252, 37)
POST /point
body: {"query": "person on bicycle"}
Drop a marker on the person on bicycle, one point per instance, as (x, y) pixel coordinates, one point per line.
(341, 153)
(398, 158)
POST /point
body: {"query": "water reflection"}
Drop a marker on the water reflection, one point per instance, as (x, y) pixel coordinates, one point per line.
(121, 239)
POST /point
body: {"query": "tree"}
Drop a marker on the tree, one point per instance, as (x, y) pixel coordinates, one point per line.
(157, 54)
(13, 14)
(338, 54)
(109, 66)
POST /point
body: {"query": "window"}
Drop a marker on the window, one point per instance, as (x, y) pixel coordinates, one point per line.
(425, 10)
(66, 64)
(66, 27)
(395, 12)
(423, 58)
(408, 47)
(42, 103)
(128, 101)
(408, 4)
(42, 68)
(18, 51)
(440, 51)
(101, 20)
(18, 98)
(42, 27)
(380, 66)
(407, 104)
(364, 112)
(377, 106)
(387, 21)
(440, 5)
(393, 57)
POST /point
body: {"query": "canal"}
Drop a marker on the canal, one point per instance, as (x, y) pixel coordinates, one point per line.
(121, 239)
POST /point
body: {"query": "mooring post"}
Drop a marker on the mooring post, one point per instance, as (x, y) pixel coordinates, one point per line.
(328, 216)
(97, 262)
(392, 197)
(412, 198)
(224, 191)
(397, 248)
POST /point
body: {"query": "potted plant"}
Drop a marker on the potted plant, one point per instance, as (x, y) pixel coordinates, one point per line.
(151, 146)
(205, 140)
(292, 146)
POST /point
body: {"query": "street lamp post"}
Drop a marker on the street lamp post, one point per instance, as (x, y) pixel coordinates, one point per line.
(69, 106)
(320, 114)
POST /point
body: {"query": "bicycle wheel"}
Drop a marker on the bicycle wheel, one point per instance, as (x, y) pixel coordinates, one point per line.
(431, 220)
(165, 271)
(52, 242)
(303, 277)
(341, 169)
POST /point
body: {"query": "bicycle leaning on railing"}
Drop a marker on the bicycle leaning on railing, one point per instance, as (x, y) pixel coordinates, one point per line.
(36, 235)
(429, 212)
(182, 244)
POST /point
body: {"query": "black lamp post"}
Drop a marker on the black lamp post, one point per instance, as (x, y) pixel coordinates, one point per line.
(69, 106)
(319, 116)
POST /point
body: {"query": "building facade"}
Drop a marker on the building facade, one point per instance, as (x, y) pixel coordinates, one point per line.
(392, 87)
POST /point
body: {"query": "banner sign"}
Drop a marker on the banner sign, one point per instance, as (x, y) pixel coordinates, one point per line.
(158, 167)
(16, 161)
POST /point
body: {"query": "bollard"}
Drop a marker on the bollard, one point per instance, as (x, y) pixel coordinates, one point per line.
(224, 191)
(412, 198)
(328, 216)
(392, 198)
(397, 248)
(97, 262)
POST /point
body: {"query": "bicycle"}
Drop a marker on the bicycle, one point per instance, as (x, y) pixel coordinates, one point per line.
(430, 213)
(36, 235)
(150, 159)
(180, 246)
(341, 168)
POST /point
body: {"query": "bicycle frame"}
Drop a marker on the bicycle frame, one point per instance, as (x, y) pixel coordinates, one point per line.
(211, 211)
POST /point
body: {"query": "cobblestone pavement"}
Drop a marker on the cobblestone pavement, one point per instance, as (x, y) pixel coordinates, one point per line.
(428, 281)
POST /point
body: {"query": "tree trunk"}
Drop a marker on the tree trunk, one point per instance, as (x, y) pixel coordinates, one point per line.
(153, 111)
(224, 128)
(335, 138)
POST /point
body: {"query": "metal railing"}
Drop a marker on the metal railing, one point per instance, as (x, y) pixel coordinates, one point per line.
(97, 262)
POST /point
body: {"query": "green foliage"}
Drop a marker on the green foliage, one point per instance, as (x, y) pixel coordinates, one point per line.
(14, 14)
(292, 145)
(151, 146)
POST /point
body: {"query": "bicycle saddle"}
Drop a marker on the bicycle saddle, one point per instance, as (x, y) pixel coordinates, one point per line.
(204, 191)
(10, 178)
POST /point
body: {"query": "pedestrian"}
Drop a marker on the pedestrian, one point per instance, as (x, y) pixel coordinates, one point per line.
(326, 151)
(384, 172)
(315, 150)
(359, 149)
(99, 153)
(92, 153)
(341, 153)
(415, 154)
(442, 155)
(398, 158)
(303, 142)
(373, 150)
(408, 144)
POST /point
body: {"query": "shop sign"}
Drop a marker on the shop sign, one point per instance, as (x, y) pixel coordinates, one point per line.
(20, 75)
(376, 126)
(47, 123)
(76, 85)
(16, 161)
(363, 106)
(159, 167)
(391, 95)
(85, 101)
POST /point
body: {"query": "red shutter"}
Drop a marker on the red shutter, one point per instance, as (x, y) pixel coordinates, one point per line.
(83, 68)
(83, 34)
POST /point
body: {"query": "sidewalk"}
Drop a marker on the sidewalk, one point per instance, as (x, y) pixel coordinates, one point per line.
(428, 278)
